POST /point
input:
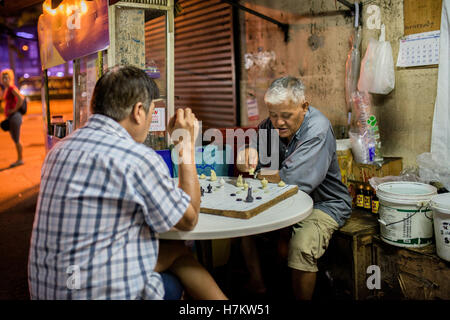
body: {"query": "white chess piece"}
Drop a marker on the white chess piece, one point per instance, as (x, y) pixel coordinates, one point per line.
(213, 175)
(239, 182)
(222, 182)
(264, 183)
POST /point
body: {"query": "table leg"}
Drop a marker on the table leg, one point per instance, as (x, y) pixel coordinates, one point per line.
(204, 253)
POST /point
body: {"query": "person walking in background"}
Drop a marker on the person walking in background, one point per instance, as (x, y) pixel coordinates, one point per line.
(2, 91)
(13, 101)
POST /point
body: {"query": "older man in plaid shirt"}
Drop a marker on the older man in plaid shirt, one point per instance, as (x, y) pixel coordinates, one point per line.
(104, 197)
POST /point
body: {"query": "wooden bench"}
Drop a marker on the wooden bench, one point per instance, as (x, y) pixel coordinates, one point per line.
(350, 253)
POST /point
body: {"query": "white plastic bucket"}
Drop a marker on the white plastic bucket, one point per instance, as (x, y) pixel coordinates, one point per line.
(406, 220)
(441, 215)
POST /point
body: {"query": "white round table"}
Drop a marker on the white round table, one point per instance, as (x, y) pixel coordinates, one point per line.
(281, 215)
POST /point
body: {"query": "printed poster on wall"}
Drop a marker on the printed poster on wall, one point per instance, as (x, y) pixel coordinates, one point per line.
(74, 29)
(252, 109)
(91, 79)
(421, 16)
(158, 120)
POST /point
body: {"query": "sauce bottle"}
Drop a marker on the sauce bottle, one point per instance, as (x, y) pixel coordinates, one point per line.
(375, 203)
(360, 197)
(368, 199)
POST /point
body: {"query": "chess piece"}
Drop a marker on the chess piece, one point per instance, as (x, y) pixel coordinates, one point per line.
(222, 182)
(249, 195)
(264, 183)
(251, 171)
(245, 185)
(213, 175)
(202, 176)
(202, 191)
(239, 182)
(209, 187)
(281, 183)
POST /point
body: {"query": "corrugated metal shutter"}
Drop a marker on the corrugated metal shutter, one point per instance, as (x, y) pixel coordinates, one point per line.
(204, 60)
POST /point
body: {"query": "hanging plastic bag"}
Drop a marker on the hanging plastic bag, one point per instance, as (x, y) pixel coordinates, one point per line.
(377, 67)
(352, 65)
(432, 168)
(352, 68)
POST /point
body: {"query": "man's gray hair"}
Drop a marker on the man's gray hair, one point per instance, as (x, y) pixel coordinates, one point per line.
(285, 89)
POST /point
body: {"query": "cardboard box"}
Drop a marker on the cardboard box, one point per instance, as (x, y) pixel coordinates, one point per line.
(391, 166)
(345, 160)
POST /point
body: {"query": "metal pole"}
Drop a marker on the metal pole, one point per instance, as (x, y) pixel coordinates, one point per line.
(282, 26)
(354, 8)
(347, 4)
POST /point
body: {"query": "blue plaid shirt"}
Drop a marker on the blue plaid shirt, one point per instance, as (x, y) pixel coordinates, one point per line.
(103, 200)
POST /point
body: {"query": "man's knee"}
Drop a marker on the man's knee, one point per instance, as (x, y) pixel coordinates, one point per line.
(303, 241)
(302, 252)
(169, 252)
(308, 243)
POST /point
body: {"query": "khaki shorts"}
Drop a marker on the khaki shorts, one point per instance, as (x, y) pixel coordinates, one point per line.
(309, 240)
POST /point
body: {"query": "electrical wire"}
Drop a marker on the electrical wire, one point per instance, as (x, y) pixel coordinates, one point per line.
(409, 217)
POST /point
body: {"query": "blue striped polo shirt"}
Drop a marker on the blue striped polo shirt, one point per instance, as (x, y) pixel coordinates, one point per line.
(103, 200)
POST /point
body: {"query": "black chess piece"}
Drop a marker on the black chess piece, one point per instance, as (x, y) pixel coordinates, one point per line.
(209, 187)
(202, 191)
(249, 195)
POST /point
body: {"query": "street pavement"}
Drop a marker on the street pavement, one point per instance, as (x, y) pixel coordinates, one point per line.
(21, 183)
(19, 188)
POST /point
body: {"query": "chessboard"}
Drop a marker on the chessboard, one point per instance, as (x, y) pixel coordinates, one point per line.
(223, 197)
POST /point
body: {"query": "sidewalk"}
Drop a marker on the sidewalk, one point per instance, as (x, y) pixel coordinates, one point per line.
(22, 183)
(19, 183)
(19, 188)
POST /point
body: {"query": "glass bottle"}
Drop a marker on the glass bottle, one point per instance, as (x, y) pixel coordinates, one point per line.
(360, 197)
(375, 203)
(368, 199)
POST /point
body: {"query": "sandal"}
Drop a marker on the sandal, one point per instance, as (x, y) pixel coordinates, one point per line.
(16, 164)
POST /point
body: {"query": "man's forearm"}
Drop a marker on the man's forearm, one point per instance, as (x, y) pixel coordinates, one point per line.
(272, 176)
(188, 179)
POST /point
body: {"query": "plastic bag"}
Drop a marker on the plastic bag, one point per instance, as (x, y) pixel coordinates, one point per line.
(375, 181)
(440, 137)
(352, 68)
(377, 67)
(433, 169)
(363, 147)
(367, 127)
